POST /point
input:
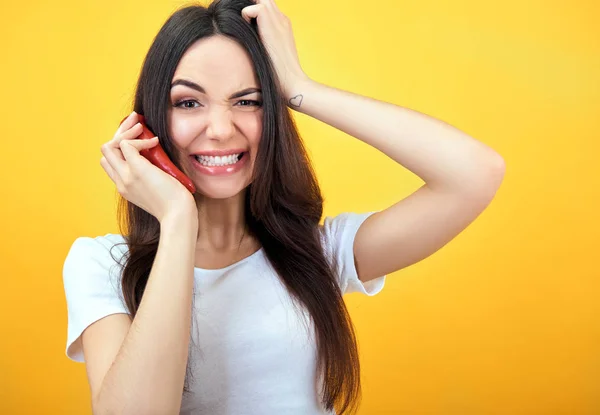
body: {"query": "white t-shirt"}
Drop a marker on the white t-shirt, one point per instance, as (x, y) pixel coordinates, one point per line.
(250, 352)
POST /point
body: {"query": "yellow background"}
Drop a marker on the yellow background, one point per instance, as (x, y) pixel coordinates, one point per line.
(502, 320)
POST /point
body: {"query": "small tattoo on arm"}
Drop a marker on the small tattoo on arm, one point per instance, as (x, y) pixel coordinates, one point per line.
(296, 101)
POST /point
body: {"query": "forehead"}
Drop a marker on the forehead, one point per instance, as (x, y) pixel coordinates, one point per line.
(217, 63)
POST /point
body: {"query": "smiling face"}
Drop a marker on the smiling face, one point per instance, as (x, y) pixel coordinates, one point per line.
(216, 112)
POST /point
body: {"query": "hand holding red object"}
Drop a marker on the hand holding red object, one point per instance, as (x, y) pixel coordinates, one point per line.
(141, 182)
(157, 156)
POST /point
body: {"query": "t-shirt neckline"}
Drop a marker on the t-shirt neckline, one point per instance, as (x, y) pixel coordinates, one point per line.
(228, 267)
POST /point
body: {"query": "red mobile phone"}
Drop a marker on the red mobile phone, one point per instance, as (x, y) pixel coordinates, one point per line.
(157, 156)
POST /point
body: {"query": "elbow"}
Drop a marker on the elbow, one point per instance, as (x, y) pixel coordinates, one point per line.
(497, 168)
(490, 172)
(498, 165)
(488, 177)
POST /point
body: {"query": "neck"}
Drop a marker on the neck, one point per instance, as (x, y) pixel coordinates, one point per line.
(221, 223)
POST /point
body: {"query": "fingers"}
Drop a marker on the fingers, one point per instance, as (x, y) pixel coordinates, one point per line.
(112, 151)
(122, 153)
(131, 150)
(114, 157)
(127, 123)
(115, 160)
(129, 134)
(134, 160)
(270, 7)
(110, 171)
(120, 170)
(251, 12)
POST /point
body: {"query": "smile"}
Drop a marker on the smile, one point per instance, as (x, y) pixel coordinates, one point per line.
(219, 165)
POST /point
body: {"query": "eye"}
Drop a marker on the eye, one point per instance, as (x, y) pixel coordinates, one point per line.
(180, 103)
(255, 103)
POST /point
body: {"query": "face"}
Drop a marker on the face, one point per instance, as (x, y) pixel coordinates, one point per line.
(217, 124)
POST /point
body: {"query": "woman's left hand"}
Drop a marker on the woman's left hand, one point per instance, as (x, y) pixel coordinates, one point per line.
(275, 31)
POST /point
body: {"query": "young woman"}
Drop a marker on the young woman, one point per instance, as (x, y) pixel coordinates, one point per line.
(229, 300)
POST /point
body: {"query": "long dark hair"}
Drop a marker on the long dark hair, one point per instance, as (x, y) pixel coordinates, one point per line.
(283, 203)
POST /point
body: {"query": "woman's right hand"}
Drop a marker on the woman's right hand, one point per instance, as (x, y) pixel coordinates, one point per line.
(138, 180)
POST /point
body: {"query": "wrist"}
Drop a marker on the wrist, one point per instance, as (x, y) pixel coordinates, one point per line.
(180, 219)
(296, 93)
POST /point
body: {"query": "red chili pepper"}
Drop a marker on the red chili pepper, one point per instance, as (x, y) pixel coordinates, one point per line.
(157, 156)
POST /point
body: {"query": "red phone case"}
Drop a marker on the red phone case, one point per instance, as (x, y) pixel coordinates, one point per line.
(157, 156)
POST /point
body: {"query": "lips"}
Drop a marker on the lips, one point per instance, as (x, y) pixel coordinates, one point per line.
(220, 170)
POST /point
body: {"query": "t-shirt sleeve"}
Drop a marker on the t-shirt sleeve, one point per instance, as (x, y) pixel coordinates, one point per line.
(91, 288)
(338, 237)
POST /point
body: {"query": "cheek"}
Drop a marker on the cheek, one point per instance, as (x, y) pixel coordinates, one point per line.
(252, 129)
(183, 132)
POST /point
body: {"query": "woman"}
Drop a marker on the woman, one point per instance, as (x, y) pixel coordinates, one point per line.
(233, 294)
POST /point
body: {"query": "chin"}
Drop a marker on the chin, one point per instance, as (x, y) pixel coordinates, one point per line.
(216, 191)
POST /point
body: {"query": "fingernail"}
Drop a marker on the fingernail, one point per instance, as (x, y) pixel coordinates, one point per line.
(132, 113)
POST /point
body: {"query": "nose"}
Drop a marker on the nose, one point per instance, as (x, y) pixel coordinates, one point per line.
(220, 124)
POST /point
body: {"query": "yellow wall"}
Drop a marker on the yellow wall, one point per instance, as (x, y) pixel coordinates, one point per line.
(503, 320)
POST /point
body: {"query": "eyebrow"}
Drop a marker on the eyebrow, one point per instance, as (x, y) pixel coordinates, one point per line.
(198, 88)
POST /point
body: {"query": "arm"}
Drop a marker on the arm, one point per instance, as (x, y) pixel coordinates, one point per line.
(461, 174)
(147, 375)
(445, 158)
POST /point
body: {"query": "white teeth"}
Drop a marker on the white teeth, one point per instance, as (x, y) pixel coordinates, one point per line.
(218, 161)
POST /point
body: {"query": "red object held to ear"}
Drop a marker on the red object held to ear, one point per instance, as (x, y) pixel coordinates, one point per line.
(157, 156)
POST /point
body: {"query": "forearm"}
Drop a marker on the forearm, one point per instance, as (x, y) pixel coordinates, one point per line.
(443, 156)
(148, 373)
